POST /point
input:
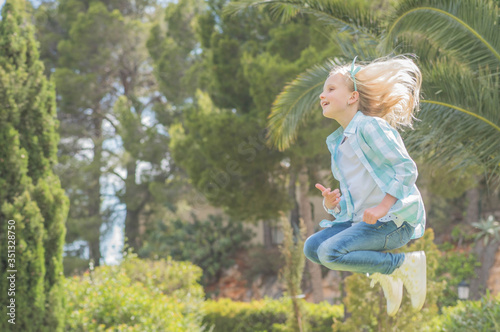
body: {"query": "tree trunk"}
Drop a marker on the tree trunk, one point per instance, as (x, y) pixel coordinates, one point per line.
(472, 196)
(132, 212)
(95, 196)
(485, 253)
(294, 213)
(305, 212)
(132, 229)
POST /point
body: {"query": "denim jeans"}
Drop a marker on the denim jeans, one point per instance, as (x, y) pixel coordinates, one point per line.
(358, 247)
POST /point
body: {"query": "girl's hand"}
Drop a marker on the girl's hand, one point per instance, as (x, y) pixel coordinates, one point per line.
(371, 215)
(332, 198)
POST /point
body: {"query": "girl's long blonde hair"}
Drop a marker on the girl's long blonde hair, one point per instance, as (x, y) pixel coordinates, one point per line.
(388, 88)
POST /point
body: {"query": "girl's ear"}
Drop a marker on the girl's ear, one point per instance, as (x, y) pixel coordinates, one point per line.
(354, 97)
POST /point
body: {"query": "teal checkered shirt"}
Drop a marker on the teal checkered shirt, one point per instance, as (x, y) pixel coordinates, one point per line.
(381, 150)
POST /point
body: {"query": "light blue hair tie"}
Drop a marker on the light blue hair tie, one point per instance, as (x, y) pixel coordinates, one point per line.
(354, 72)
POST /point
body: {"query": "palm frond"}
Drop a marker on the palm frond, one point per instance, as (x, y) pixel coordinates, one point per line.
(427, 50)
(295, 102)
(467, 29)
(464, 88)
(364, 48)
(459, 122)
(445, 136)
(340, 14)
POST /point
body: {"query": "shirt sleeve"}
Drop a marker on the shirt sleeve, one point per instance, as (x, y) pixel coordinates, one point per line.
(336, 211)
(388, 151)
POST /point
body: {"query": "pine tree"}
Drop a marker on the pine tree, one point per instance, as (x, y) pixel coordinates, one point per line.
(30, 192)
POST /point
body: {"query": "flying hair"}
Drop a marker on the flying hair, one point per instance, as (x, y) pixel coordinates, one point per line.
(388, 88)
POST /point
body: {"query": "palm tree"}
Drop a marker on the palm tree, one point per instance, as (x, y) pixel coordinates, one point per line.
(458, 46)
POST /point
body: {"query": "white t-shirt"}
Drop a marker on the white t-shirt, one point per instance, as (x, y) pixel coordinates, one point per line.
(364, 191)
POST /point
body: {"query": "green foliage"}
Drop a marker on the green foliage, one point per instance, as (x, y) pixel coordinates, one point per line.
(210, 244)
(461, 234)
(266, 315)
(263, 261)
(227, 161)
(29, 262)
(173, 278)
(136, 296)
(288, 41)
(454, 266)
(488, 229)
(471, 316)
(368, 305)
(266, 75)
(75, 264)
(230, 87)
(446, 182)
(173, 50)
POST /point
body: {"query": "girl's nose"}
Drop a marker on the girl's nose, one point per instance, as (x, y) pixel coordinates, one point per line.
(321, 96)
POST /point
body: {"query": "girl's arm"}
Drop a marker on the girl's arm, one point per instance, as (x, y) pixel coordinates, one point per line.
(387, 154)
(386, 150)
(371, 215)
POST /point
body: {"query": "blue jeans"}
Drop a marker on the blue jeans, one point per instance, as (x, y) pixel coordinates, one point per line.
(357, 247)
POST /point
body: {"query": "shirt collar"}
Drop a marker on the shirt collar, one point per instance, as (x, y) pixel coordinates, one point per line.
(349, 130)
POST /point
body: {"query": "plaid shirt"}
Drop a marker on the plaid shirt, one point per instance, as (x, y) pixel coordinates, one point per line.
(381, 150)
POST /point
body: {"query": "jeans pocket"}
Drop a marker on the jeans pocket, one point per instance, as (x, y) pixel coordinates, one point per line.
(399, 237)
(381, 225)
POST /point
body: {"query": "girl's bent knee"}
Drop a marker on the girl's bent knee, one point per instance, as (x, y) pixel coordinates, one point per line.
(310, 251)
(327, 255)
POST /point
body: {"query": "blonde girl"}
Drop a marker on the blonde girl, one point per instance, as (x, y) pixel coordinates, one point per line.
(378, 206)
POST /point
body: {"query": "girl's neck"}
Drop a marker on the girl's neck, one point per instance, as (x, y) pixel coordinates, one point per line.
(345, 118)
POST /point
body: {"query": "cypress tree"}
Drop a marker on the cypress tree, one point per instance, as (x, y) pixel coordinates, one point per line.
(29, 191)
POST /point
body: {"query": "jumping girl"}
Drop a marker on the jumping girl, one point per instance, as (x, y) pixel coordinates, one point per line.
(378, 206)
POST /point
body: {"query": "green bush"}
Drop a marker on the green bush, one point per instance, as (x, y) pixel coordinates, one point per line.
(454, 266)
(266, 315)
(209, 244)
(471, 316)
(136, 296)
(263, 261)
(176, 279)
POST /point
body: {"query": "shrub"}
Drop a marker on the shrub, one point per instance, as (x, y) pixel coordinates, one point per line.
(454, 267)
(262, 262)
(173, 278)
(266, 315)
(136, 296)
(470, 316)
(209, 244)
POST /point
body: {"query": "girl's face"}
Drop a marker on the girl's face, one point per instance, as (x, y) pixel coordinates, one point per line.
(335, 96)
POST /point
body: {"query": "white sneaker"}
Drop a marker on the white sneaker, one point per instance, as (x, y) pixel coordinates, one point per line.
(393, 290)
(413, 273)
